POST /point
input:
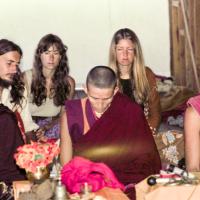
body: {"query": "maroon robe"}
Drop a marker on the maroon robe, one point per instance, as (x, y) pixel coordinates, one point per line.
(10, 139)
(121, 138)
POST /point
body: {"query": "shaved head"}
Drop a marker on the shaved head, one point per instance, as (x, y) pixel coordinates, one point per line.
(101, 77)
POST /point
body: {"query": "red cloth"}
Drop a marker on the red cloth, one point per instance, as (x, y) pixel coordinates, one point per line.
(20, 125)
(195, 103)
(79, 171)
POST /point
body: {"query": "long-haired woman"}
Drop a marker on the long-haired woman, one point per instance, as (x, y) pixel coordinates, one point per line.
(134, 78)
(49, 84)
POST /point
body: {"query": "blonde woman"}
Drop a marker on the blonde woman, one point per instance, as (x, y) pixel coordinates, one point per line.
(134, 78)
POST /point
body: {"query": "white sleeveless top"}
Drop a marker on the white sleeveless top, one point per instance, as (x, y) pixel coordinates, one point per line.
(47, 109)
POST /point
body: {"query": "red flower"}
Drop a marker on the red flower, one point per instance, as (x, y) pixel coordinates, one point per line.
(31, 156)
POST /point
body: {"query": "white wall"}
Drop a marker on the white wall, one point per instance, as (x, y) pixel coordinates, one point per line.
(86, 27)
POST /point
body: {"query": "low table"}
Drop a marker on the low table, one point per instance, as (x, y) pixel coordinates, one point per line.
(169, 192)
(107, 193)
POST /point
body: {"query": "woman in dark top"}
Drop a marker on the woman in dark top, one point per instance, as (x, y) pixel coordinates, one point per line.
(135, 80)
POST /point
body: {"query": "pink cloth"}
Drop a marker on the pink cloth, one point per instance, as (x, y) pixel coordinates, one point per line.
(195, 103)
(80, 170)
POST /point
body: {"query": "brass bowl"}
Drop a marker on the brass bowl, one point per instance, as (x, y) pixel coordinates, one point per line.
(41, 174)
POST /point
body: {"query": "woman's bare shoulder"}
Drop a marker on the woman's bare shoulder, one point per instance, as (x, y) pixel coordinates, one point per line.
(71, 81)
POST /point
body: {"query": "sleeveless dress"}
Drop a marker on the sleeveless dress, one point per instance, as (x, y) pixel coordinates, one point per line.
(44, 113)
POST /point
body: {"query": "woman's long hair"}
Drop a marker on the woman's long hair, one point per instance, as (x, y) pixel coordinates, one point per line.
(17, 85)
(138, 76)
(60, 85)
